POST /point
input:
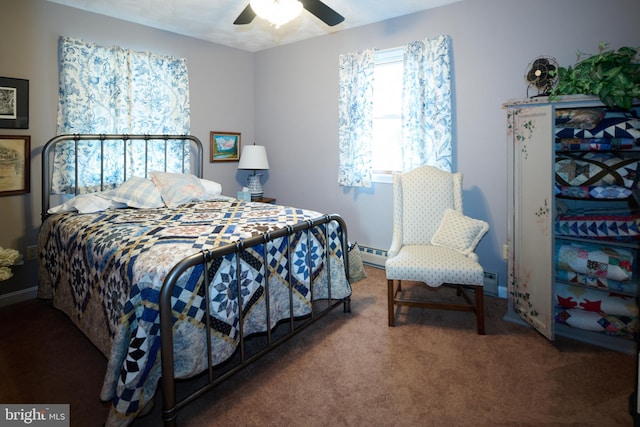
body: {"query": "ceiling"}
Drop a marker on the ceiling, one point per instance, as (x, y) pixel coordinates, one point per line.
(212, 20)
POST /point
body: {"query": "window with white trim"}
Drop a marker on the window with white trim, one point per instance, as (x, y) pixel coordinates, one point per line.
(387, 114)
(401, 98)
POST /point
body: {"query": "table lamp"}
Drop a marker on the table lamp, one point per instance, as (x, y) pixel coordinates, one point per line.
(254, 157)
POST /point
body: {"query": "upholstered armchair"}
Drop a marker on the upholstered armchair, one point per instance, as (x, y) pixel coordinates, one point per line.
(433, 242)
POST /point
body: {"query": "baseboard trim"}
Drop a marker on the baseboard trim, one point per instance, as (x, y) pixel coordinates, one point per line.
(18, 296)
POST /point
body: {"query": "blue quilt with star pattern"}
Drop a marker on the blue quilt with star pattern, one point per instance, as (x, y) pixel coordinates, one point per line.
(106, 269)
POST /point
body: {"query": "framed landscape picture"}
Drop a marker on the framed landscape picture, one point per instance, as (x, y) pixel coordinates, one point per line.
(15, 157)
(225, 146)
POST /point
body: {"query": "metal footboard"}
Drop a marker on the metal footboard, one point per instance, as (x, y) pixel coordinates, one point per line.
(319, 308)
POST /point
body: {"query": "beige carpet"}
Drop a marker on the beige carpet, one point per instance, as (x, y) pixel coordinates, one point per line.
(351, 370)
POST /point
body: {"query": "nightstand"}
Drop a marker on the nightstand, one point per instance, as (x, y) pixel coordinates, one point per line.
(266, 200)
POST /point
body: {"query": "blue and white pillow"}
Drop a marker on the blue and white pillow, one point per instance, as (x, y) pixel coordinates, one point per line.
(136, 192)
(177, 188)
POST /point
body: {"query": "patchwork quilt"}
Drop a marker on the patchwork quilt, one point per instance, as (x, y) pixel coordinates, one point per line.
(627, 287)
(595, 168)
(609, 313)
(105, 270)
(611, 263)
(624, 226)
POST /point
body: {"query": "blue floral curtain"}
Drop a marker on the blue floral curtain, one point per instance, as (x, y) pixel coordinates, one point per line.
(107, 89)
(356, 118)
(426, 110)
(426, 115)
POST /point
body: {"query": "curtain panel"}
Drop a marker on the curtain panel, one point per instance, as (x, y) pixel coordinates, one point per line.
(355, 126)
(426, 111)
(107, 89)
(426, 105)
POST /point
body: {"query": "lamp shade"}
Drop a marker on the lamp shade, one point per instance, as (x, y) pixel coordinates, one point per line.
(254, 157)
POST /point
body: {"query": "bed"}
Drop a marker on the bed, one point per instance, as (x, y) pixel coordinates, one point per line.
(148, 266)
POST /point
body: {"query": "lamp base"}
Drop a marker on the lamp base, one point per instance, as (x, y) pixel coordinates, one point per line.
(255, 186)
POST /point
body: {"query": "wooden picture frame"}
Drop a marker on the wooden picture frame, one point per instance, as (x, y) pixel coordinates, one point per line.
(225, 146)
(15, 158)
(14, 103)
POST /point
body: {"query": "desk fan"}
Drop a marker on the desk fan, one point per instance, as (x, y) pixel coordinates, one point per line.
(542, 73)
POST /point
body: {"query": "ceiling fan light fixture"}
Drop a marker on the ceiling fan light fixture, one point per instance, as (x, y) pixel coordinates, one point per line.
(277, 12)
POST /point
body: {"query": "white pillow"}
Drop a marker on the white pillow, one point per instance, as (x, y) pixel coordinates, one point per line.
(136, 192)
(177, 188)
(459, 232)
(211, 187)
(87, 203)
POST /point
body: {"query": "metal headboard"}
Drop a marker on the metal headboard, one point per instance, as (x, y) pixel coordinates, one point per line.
(195, 165)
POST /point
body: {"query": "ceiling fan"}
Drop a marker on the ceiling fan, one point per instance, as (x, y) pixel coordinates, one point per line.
(315, 7)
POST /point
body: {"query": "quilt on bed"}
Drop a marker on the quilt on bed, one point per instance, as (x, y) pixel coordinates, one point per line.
(115, 261)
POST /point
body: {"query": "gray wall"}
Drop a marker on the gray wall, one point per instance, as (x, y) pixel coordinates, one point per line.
(493, 42)
(286, 98)
(221, 90)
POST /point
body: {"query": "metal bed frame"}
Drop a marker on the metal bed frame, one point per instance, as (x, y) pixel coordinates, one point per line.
(48, 152)
(171, 403)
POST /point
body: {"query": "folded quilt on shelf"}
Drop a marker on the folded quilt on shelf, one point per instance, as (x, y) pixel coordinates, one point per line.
(596, 168)
(576, 297)
(599, 225)
(613, 124)
(599, 322)
(608, 262)
(628, 287)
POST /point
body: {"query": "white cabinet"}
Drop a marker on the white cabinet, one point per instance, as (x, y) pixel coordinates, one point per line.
(540, 264)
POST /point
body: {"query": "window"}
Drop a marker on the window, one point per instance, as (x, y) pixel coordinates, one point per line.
(410, 123)
(386, 147)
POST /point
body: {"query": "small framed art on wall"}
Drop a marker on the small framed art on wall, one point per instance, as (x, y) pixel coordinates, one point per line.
(225, 146)
(14, 103)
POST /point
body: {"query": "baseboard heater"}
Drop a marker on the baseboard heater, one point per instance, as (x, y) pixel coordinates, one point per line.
(372, 256)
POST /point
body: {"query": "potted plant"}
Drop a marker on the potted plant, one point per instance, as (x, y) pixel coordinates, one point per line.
(611, 75)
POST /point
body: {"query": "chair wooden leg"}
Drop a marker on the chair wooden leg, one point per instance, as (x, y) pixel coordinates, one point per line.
(390, 303)
(480, 309)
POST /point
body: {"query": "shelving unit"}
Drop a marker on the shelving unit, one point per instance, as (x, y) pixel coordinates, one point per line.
(536, 293)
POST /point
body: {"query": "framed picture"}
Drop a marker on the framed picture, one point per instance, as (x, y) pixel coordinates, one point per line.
(225, 146)
(15, 156)
(14, 103)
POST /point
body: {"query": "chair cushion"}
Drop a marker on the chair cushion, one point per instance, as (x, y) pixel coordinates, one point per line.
(434, 265)
(459, 232)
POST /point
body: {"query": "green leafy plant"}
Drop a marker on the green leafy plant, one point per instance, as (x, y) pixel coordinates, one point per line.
(611, 75)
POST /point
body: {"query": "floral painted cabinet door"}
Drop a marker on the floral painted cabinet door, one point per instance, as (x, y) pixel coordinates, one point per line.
(530, 261)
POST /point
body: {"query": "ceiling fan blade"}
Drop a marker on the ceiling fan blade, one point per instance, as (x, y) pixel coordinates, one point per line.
(322, 12)
(245, 17)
